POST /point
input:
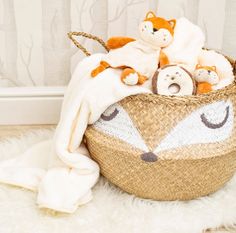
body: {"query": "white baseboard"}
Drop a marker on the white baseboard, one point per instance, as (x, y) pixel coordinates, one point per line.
(30, 105)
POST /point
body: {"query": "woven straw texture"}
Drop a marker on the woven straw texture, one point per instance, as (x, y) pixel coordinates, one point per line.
(182, 173)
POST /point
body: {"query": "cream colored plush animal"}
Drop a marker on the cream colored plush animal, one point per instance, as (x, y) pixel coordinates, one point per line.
(206, 77)
(140, 58)
(173, 80)
(223, 69)
(206, 74)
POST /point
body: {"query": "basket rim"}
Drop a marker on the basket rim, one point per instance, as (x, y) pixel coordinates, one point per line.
(222, 93)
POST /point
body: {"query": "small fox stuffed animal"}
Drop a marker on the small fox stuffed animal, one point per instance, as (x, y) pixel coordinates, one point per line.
(206, 77)
(139, 59)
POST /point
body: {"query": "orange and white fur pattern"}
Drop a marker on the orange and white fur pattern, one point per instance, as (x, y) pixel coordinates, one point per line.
(206, 77)
(140, 58)
(223, 67)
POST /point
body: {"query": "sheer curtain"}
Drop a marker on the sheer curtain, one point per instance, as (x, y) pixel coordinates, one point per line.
(35, 50)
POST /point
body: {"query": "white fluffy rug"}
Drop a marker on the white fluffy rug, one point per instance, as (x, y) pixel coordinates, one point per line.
(111, 210)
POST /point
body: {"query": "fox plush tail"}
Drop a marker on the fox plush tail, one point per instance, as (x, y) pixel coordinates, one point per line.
(118, 42)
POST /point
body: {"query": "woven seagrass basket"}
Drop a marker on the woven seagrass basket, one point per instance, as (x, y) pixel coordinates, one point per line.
(167, 148)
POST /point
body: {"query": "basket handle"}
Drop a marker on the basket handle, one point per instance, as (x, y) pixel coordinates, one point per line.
(87, 35)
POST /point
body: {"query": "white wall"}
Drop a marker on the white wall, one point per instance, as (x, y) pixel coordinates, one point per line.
(35, 50)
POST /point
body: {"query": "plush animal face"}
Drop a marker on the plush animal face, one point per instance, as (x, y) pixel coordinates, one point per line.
(157, 31)
(206, 74)
(173, 80)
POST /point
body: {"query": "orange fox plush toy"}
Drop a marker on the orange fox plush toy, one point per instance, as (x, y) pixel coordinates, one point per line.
(140, 58)
(206, 77)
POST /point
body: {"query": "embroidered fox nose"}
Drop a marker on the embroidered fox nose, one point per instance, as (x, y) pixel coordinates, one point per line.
(149, 157)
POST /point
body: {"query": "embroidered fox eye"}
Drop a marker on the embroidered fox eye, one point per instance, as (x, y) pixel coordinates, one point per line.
(197, 127)
(116, 122)
(111, 116)
(155, 30)
(211, 125)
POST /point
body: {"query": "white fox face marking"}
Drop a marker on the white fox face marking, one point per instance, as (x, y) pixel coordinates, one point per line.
(116, 122)
(211, 123)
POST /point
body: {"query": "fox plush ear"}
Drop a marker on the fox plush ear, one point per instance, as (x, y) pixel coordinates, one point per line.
(172, 23)
(198, 66)
(150, 14)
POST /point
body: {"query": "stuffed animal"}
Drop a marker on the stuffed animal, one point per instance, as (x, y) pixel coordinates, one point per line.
(140, 58)
(206, 77)
(173, 80)
(224, 68)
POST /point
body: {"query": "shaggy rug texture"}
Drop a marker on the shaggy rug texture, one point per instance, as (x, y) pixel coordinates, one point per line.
(111, 210)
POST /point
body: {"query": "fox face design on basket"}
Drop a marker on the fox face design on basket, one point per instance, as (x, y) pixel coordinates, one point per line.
(155, 148)
(212, 123)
